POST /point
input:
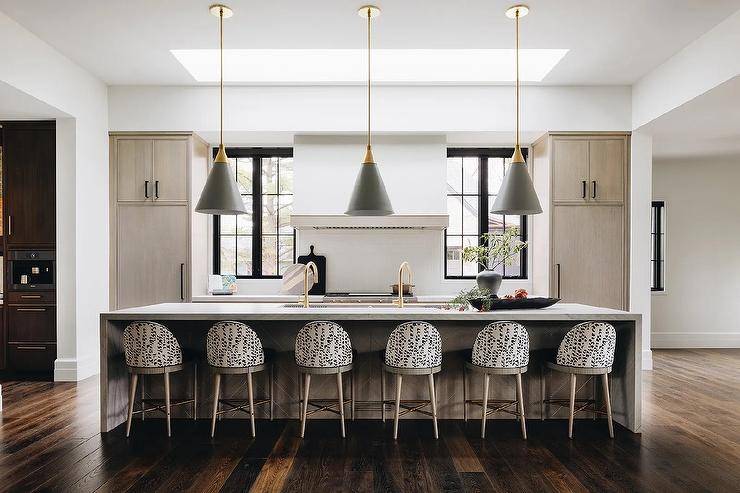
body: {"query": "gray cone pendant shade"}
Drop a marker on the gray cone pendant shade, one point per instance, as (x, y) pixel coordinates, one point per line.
(220, 195)
(369, 197)
(517, 195)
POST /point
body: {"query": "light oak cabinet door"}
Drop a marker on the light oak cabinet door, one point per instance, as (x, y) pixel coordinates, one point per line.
(588, 255)
(170, 170)
(134, 170)
(152, 254)
(569, 170)
(606, 170)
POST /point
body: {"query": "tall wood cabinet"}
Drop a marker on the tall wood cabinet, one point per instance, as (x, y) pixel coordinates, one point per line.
(151, 216)
(581, 241)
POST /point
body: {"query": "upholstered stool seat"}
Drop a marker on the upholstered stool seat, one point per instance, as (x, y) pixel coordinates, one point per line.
(151, 349)
(233, 348)
(413, 348)
(323, 348)
(501, 348)
(587, 349)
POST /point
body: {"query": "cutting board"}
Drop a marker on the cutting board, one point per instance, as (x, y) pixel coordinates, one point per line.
(320, 261)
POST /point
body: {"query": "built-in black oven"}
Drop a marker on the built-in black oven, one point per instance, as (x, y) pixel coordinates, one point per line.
(31, 270)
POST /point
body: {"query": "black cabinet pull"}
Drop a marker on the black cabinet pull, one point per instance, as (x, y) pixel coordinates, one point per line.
(182, 282)
(594, 194)
(583, 189)
(156, 189)
(146, 189)
(558, 267)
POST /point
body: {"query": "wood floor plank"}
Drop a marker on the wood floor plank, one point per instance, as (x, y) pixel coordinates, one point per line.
(49, 441)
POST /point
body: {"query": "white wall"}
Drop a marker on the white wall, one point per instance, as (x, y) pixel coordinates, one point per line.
(641, 171)
(35, 68)
(702, 271)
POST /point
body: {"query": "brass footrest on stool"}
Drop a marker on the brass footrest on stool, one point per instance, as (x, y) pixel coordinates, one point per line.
(159, 405)
(410, 406)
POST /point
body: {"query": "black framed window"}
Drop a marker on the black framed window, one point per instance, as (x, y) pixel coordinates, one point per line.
(261, 243)
(657, 240)
(474, 177)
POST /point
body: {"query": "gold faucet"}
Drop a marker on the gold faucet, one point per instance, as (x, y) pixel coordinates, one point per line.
(315, 270)
(404, 266)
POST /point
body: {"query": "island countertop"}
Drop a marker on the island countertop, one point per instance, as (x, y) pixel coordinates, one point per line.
(278, 311)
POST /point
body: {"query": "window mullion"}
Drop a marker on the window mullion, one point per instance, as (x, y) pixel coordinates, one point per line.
(256, 216)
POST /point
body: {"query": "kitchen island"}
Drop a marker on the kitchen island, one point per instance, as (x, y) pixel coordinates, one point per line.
(368, 328)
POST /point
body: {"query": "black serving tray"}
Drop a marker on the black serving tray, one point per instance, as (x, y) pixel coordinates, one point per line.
(514, 304)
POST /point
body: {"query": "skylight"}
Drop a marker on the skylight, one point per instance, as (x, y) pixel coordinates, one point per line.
(326, 66)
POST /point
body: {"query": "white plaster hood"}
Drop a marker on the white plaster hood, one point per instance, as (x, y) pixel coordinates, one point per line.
(394, 221)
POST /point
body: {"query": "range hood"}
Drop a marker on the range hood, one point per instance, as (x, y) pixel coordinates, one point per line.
(394, 221)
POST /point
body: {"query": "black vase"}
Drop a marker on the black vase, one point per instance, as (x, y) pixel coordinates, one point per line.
(489, 280)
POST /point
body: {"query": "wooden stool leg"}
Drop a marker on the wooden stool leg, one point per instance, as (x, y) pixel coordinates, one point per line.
(305, 404)
(141, 385)
(167, 402)
(607, 400)
(251, 402)
(433, 398)
(301, 378)
(520, 399)
(484, 412)
(465, 394)
(382, 394)
(216, 388)
(272, 390)
(195, 391)
(399, 381)
(572, 404)
(352, 395)
(131, 399)
(340, 395)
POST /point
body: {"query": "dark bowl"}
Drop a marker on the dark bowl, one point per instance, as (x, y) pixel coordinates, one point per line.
(513, 304)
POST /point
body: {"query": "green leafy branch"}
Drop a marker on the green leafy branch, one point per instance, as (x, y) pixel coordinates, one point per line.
(496, 249)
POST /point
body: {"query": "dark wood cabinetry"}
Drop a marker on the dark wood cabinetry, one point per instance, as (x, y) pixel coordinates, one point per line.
(28, 337)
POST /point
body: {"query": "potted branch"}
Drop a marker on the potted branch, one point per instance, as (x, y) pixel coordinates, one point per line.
(496, 249)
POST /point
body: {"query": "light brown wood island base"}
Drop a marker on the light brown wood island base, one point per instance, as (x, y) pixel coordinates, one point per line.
(368, 328)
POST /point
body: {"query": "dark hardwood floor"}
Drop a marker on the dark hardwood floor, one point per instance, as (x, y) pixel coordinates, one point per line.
(690, 442)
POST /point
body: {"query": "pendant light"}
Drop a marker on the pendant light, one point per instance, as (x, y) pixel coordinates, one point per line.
(220, 195)
(369, 197)
(517, 195)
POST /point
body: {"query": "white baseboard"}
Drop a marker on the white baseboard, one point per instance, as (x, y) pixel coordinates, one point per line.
(74, 370)
(685, 340)
(647, 360)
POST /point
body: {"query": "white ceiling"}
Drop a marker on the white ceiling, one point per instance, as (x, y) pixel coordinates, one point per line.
(128, 42)
(707, 125)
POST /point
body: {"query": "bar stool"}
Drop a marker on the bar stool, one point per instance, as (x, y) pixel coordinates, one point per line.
(233, 348)
(151, 349)
(323, 348)
(413, 348)
(587, 349)
(501, 348)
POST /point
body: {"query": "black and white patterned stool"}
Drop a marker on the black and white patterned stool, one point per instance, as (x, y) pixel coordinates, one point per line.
(151, 349)
(501, 348)
(413, 348)
(587, 349)
(233, 348)
(323, 348)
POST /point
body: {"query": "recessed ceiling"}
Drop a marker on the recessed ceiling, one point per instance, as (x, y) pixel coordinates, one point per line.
(401, 66)
(129, 42)
(707, 125)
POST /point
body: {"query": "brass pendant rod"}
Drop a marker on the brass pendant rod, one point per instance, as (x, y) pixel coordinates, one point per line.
(221, 61)
(517, 78)
(369, 15)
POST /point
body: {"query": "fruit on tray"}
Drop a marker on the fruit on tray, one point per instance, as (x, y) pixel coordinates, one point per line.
(520, 293)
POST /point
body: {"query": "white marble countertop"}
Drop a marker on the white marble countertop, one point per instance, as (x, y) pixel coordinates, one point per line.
(276, 311)
(287, 298)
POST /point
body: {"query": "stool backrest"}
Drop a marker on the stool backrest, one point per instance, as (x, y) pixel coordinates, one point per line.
(323, 344)
(502, 345)
(414, 345)
(588, 345)
(233, 345)
(150, 345)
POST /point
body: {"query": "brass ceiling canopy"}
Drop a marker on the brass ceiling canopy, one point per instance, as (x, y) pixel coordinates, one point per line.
(517, 195)
(369, 196)
(220, 195)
